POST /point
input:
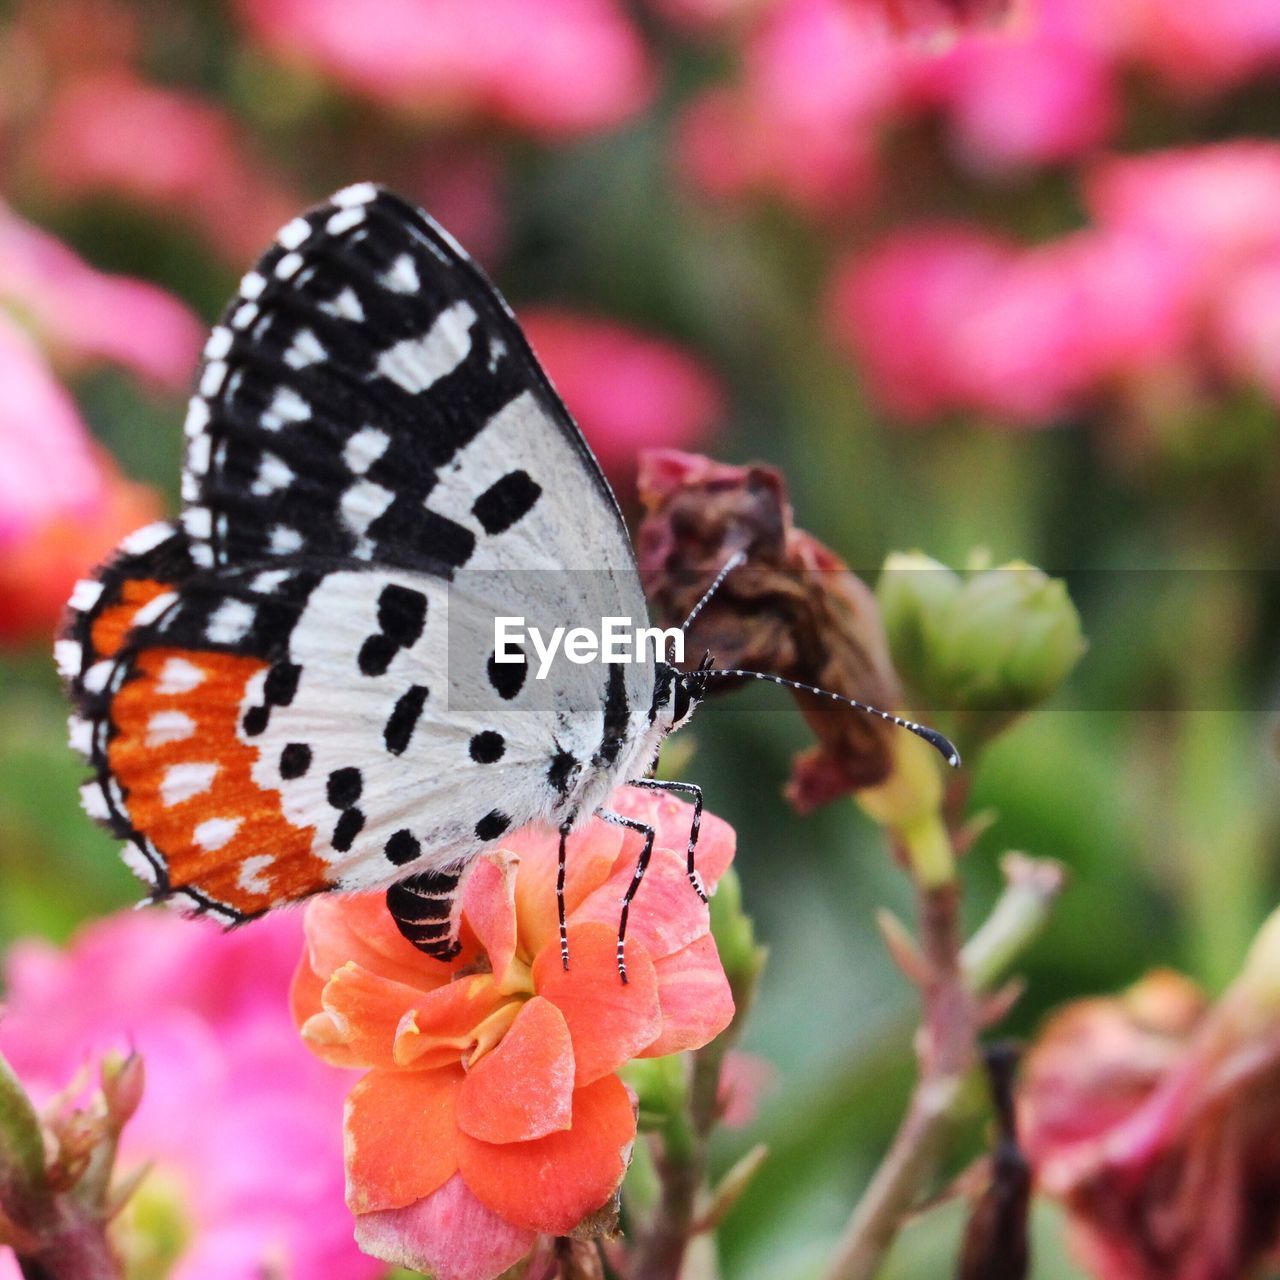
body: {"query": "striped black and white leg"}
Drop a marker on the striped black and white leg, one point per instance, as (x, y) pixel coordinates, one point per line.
(565, 828)
(695, 793)
(642, 865)
(423, 909)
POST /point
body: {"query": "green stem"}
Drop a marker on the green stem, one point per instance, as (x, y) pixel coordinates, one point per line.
(947, 1048)
(681, 1162)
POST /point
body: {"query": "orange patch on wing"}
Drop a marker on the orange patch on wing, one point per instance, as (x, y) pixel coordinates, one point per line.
(112, 625)
(189, 787)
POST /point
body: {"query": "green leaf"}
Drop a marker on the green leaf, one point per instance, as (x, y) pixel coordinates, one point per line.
(21, 1143)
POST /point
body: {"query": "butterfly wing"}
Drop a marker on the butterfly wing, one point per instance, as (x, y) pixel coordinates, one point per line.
(283, 701)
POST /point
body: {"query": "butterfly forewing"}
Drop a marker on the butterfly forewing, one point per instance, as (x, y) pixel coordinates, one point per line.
(376, 468)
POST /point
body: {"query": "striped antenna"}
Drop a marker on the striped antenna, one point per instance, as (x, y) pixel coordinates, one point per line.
(738, 558)
(931, 736)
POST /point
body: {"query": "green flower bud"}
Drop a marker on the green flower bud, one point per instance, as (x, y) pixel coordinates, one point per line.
(913, 587)
(984, 648)
(735, 935)
(660, 1086)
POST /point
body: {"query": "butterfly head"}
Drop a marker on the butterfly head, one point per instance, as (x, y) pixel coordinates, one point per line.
(677, 693)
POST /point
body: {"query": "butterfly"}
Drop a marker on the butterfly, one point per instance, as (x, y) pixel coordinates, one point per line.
(295, 687)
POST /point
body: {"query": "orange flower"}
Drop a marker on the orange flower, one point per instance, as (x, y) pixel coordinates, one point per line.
(492, 1109)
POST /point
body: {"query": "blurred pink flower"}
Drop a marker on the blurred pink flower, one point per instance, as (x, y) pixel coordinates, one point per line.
(627, 391)
(1038, 89)
(820, 82)
(816, 77)
(950, 318)
(900, 309)
(557, 67)
(63, 505)
(1215, 206)
(1202, 47)
(1246, 326)
(112, 133)
(1153, 1116)
(86, 315)
(932, 17)
(240, 1122)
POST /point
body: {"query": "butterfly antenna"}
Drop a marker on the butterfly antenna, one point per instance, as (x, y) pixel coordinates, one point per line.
(738, 558)
(931, 736)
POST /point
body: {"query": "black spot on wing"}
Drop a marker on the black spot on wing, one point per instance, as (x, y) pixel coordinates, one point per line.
(616, 717)
(344, 787)
(348, 826)
(492, 825)
(487, 747)
(402, 848)
(295, 760)
(402, 614)
(506, 501)
(507, 678)
(404, 719)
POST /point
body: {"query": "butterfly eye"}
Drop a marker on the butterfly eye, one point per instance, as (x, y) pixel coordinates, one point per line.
(681, 702)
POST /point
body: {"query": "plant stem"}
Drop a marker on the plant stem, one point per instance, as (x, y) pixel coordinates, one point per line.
(681, 1164)
(947, 1048)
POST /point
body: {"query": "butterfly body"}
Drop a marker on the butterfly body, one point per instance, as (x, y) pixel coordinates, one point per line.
(295, 687)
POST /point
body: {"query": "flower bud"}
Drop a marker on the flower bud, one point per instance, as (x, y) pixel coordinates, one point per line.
(735, 935)
(985, 648)
(123, 1080)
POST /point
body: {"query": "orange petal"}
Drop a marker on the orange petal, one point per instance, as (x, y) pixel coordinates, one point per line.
(489, 906)
(450, 1235)
(319, 1031)
(524, 1088)
(589, 854)
(694, 994)
(441, 1026)
(666, 915)
(358, 926)
(610, 1022)
(672, 819)
(400, 1133)
(552, 1183)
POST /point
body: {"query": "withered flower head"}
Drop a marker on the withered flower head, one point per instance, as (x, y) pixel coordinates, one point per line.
(1153, 1117)
(794, 609)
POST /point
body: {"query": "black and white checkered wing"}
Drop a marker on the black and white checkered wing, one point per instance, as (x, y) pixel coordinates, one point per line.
(368, 396)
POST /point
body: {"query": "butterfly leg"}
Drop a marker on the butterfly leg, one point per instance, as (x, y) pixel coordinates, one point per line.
(688, 789)
(642, 864)
(565, 828)
(423, 909)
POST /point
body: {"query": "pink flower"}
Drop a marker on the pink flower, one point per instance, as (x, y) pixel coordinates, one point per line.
(1214, 206)
(1205, 46)
(239, 1121)
(627, 391)
(1039, 89)
(816, 78)
(901, 307)
(1153, 1116)
(112, 133)
(63, 504)
(86, 315)
(933, 16)
(948, 319)
(558, 67)
(491, 1109)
